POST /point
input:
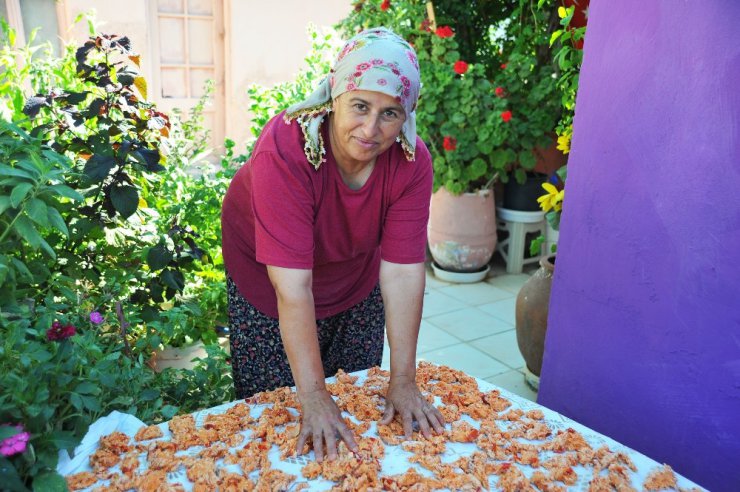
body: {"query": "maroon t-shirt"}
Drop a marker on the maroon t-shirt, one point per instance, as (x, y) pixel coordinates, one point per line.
(280, 211)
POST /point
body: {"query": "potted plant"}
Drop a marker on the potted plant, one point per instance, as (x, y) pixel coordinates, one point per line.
(532, 304)
(527, 88)
(454, 119)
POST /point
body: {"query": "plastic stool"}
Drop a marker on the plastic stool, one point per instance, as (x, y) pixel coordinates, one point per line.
(518, 224)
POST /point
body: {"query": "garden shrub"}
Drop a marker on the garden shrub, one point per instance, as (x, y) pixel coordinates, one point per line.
(95, 271)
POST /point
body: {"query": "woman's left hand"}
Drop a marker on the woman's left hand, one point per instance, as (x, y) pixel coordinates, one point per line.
(405, 399)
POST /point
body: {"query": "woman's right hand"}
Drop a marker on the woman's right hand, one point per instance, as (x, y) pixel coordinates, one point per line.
(321, 420)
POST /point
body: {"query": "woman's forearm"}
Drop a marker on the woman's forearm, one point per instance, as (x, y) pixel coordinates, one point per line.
(402, 287)
(298, 327)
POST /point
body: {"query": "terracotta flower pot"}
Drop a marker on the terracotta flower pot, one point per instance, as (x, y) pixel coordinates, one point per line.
(177, 357)
(532, 307)
(462, 230)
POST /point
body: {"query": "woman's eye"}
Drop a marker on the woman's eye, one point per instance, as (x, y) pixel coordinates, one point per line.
(360, 107)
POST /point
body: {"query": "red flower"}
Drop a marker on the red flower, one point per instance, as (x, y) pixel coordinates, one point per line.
(500, 91)
(58, 332)
(503, 66)
(385, 5)
(444, 32)
(460, 67)
(506, 116)
(449, 143)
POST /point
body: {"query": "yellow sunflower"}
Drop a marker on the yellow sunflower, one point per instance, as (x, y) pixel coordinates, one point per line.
(552, 200)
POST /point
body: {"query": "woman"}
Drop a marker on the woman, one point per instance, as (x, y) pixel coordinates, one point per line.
(324, 234)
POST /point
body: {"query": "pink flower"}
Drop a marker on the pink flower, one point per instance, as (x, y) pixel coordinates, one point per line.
(506, 116)
(58, 332)
(363, 66)
(460, 67)
(96, 317)
(376, 61)
(14, 444)
(382, 82)
(351, 86)
(405, 81)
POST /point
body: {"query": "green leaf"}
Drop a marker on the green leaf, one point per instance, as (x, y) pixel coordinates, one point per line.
(536, 245)
(19, 193)
(7, 431)
(38, 212)
(149, 158)
(91, 403)
(125, 200)
(24, 227)
(87, 388)
(173, 279)
(66, 191)
(149, 394)
(22, 269)
(6, 170)
(99, 166)
(56, 220)
(48, 249)
(49, 481)
(10, 477)
(76, 401)
(169, 411)
(555, 36)
(527, 159)
(158, 257)
(64, 439)
(4, 203)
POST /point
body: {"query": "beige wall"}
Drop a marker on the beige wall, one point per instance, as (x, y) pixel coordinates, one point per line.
(265, 42)
(268, 43)
(128, 18)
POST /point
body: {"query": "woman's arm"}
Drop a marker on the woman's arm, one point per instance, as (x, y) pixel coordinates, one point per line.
(321, 418)
(402, 287)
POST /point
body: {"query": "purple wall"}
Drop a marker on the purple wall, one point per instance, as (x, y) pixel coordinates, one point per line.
(643, 341)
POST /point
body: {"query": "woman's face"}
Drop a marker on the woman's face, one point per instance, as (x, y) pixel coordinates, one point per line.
(364, 125)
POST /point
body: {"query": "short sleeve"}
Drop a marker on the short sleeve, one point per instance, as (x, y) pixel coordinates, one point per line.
(283, 204)
(405, 226)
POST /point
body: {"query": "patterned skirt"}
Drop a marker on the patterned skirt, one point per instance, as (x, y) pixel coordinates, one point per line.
(351, 340)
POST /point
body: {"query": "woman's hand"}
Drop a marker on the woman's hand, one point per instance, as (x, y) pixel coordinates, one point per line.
(321, 420)
(404, 398)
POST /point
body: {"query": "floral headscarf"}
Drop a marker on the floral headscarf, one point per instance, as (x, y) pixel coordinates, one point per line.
(374, 60)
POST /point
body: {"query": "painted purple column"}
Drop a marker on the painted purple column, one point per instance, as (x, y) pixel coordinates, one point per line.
(643, 341)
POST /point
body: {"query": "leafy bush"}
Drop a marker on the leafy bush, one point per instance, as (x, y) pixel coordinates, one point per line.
(95, 271)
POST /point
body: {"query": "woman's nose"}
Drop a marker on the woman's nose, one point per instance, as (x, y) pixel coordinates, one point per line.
(371, 125)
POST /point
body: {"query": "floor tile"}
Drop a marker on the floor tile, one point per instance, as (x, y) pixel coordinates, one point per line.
(512, 283)
(469, 323)
(476, 293)
(513, 381)
(502, 347)
(431, 337)
(436, 302)
(465, 358)
(504, 309)
(433, 282)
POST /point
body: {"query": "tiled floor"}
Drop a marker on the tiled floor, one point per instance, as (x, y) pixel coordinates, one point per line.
(471, 327)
